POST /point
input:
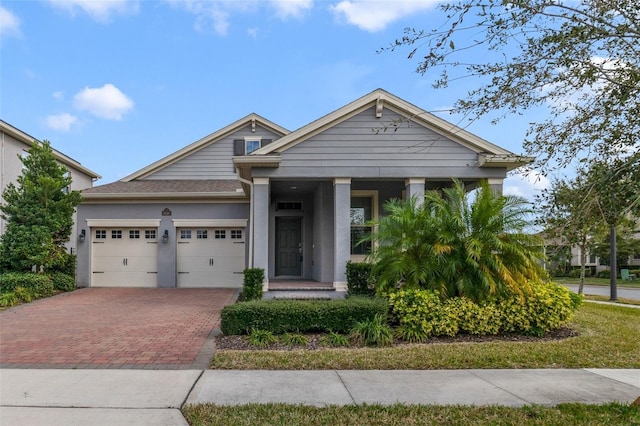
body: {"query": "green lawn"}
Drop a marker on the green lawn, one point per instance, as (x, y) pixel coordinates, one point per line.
(281, 414)
(597, 281)
(609, 337)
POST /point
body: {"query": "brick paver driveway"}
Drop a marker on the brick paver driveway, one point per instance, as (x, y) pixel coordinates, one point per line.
(114, 328)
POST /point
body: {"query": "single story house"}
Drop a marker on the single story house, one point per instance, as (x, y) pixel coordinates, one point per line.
(294, 203)
(14, 145)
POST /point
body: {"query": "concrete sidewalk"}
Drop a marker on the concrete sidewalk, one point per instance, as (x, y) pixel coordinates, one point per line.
(154, 397)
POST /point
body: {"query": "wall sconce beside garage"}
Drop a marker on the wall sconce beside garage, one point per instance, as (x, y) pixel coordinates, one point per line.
(165, 236)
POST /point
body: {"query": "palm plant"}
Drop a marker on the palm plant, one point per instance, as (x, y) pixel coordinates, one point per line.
(457, 246)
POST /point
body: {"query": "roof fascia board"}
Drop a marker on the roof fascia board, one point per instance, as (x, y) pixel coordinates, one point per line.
(62, 158)
(209, 139)
(255, 161)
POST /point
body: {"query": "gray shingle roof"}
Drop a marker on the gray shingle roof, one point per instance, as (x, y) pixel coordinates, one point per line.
(166, 186)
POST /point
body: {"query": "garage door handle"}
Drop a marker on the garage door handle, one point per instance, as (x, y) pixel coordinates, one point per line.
(211, 262)
(125, 261)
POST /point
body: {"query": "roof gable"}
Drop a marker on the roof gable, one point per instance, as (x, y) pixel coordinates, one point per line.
(251, 120)
(381, 100)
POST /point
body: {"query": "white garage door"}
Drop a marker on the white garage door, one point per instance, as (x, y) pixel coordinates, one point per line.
(124, 257)
(210, 257)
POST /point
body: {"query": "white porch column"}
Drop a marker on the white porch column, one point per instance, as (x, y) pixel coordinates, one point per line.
(496, 184)
(261, 227)
(341, 231)
(414, 187)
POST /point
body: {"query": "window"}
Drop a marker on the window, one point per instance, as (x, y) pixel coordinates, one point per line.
(251, 145)
(363, 210)
(101, 234)
(592, 258)
(150, 234)
(116, 233)
(185, 234)
(134, 234)
(201, 234)
(67, 189)
(236, 234)
(221, 234)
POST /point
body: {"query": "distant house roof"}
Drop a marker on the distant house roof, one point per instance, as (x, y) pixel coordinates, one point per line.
(62, 158)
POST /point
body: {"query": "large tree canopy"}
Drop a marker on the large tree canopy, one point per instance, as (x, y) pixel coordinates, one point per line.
(581, 59)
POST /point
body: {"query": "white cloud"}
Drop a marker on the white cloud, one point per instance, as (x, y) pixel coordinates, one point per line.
(215, 16)
(9, 24)
(59, 95)
(98, 10)
(291, 8)
(527, 184)
(375, 15)
(105, 102)
(61, 122)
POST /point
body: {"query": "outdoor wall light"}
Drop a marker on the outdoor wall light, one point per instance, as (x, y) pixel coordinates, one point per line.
(82, 236)
(165, 236)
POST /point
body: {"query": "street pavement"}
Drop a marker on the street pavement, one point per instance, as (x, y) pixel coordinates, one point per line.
(154, 397)
(598, 290)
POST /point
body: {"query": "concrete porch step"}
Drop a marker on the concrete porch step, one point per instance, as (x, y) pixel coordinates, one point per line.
(303, 294)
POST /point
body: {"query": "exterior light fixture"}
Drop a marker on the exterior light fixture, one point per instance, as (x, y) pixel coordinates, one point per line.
(165, 236)
(82, 236)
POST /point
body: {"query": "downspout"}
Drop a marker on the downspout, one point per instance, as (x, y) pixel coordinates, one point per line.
(248, 182)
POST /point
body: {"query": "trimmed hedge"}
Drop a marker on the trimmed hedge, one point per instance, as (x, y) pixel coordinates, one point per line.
(62, 281)
(280, 316)
(360, 280)
(37, 285)
(252, 284)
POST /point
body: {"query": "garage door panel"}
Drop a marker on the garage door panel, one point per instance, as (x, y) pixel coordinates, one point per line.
(211, 261)
(124, 257)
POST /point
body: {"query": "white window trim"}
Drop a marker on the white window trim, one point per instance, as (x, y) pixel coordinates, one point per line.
(373, 194)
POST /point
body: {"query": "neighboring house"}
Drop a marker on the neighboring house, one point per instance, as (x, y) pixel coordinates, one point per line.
(15, 144)
(253, 194)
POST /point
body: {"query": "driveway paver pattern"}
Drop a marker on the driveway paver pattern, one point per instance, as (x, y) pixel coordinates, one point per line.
(114, 328)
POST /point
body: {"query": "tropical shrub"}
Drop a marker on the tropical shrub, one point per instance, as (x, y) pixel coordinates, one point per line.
(456, 246)
(36, 285)
(62, 281)
(252, 284)
(261, 338)
(334, 339)
(279, 316)
(360, 278)
(420, 314)
(294, 339)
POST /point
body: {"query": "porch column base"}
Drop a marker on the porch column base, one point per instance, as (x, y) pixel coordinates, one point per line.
(340, 285)
(265, 285)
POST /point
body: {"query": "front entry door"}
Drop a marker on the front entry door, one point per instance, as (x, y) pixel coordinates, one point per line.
(289, 246)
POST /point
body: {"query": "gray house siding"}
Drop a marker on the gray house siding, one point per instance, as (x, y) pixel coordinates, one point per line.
(359, 148)
(166, 252)
(212, 161)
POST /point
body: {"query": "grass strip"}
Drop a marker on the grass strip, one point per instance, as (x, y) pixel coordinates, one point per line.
(609, 337)
(400, 414)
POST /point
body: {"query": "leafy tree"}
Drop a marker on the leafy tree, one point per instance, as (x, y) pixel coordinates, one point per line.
(569, 215)
(581, 60)
(616, 184)
(39, 213)
(458, 246)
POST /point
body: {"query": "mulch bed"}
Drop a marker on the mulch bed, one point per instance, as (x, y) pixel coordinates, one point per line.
(241, 343)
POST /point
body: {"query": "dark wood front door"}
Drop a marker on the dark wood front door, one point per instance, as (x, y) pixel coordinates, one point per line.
(289, 246)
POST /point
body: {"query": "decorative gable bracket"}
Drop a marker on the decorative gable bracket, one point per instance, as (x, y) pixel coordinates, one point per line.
(379, 106)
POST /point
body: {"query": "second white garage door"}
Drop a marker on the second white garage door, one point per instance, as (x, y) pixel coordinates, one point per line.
(210, 257)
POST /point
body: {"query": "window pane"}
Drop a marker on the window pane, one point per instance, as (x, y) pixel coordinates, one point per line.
(251, 146)
(360, 210)
(357, 233)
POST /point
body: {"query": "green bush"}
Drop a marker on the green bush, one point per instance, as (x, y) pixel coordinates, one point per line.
(261, 338)
(334, 339)
(360, 279)
(574, 273)
(36, 285)
(279, 316)
(604, 274)
(252, 284)
(421, 313)
(66, 264)
(62, 281)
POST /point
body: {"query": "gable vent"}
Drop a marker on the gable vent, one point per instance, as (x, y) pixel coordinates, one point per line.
(291, 206)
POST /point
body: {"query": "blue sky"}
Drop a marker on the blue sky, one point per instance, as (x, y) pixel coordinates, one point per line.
(117, 85)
